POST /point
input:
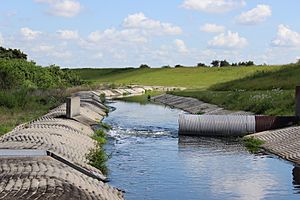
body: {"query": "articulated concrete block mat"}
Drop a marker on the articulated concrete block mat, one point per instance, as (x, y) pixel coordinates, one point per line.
(194, 106)
(282, 142)
(46, 178)
(68, 176)
(70, 144)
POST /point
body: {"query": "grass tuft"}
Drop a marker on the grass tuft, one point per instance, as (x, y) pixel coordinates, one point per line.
(252, 144)
(97, 157)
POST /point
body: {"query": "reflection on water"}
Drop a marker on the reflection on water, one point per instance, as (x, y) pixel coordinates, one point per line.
(296, 178)
(150, 162)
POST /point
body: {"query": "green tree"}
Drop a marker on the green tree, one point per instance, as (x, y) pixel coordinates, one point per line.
(143, 66)
(178, 66)
(224, 63)
(215, 63)
(201, 65)
(12, 54)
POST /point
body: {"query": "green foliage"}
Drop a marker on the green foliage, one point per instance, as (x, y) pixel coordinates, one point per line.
(178, 66)
(97, 158)
(144, 66)
(269, 102)
(19, 106)
(99, 136)
(252, 144)
(215, 63)
(102, 97)
(9, 54)
(224, 63)
(201, 65)
(105, 125)
(19, 73)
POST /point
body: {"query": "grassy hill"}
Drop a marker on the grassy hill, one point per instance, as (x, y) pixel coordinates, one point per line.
(190, 77)
(260, 89)
(286, 78)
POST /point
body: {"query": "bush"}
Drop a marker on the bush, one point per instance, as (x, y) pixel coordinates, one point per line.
(143, 66)
(201, 65)
(18, 73)
(178, 66)
(97, 158)
(12, 54)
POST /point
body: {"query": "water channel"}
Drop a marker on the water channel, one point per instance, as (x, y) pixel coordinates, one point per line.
(149, 161)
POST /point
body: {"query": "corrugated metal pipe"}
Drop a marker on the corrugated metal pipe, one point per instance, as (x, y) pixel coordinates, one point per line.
(230, 125)
(235, 125)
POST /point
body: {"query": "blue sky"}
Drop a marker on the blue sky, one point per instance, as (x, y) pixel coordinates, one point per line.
(124, 33)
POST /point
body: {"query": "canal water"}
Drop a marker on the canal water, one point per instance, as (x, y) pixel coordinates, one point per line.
(149, 161)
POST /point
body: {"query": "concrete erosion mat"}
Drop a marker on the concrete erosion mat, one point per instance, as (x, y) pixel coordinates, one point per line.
(46, 158)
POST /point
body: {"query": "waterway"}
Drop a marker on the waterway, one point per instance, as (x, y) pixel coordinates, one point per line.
(149, 161)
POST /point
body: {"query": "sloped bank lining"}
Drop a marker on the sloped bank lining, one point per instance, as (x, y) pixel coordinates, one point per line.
(269, 132)
(63, 138)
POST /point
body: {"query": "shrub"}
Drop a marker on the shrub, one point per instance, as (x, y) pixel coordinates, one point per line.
(252, 144)
(18, 73)
(201, 65)
(105, 126)
(178, 66)
(97, 158)
(143, 66)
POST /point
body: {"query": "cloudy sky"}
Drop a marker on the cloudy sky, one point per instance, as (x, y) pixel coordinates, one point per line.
(122, 33)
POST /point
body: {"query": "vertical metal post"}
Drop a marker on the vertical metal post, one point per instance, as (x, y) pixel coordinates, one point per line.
(297, 99)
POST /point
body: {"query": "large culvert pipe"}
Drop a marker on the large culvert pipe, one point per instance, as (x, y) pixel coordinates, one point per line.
(216, 125)
(230, 125)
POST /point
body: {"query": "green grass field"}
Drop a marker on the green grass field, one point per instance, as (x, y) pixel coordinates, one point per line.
(260, 89)
(189, 77)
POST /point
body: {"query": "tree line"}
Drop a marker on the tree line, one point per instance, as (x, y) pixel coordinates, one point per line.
(214, 63)
(17, 72)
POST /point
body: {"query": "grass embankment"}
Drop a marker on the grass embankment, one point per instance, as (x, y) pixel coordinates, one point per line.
(142, 99)
(260, 89)
(265, 92)
(189, 77)
(267, 102)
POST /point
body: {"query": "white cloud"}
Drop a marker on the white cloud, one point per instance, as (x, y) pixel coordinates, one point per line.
(29, 34)
(43, 48)
(181, 47)
(98, 56)
(1, 40)
(68, 34)
(286, 37)
(213, 6)
(212, 28)
(62, 55)
(229, 40)
(140, 21)
(255, 15)
(117, 36)
(63, 8)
